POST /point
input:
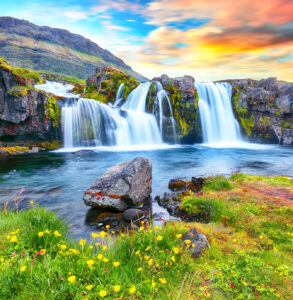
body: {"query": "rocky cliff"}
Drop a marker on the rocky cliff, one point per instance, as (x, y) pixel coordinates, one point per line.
(27, 116)
(264, 109)
(44, 48)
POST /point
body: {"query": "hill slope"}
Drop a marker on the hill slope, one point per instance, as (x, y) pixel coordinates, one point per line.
(44, 48)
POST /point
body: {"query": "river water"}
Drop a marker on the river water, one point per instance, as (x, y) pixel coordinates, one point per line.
(57, 180)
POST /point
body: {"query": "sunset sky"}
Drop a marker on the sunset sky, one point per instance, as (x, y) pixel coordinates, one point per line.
(210, 40)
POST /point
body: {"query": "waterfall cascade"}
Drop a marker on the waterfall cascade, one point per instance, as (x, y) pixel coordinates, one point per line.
(217, 119)
(163, 110)
(89, 123)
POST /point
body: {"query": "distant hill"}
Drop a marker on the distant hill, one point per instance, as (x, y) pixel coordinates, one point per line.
(43, 48)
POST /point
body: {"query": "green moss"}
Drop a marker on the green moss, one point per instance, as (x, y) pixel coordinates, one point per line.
(34, 76)
(196, 99)
(18, 91)
(5, 65)
(247, 124)
(53, 112)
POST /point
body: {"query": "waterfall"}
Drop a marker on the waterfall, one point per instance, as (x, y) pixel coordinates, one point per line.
(217, 119)
(90, 123)
(119, 96)
(164, 111)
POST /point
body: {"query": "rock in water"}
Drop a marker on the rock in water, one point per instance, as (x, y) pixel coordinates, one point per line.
(123, 185)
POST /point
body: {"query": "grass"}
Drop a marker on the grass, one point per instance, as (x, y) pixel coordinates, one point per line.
(250, 233)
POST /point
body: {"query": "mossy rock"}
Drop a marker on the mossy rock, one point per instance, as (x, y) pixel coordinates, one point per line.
(18, 91)
(53, 112)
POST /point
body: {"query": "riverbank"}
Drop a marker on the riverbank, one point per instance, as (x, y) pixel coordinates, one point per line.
(250, 254)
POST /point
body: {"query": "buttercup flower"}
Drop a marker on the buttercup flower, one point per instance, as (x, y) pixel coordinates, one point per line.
(103, 293)
(71, 278)
(82, 242)
(107, 226)
(141, 228)
(56, 233)
(41, 233)
(63, 247)
(163, 280)
(102, 234)
(22, 268)
(187, 242)
(13, 239)
(89, 287)
(90, 262)
(116, 264)
(100, 256)
(139, 269)
(132, 290)
(173, 258)
(179, 235)
(176, 250)
(159, 238)
(94, 235)
(47, 231)
(105, 260)
(117, 288)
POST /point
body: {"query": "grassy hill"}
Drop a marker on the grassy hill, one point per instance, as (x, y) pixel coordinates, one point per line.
(43, 48)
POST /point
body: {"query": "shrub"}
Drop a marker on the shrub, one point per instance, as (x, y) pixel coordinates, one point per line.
(217, 183)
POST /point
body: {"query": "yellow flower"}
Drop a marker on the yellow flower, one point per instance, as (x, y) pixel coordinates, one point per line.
(141, 228)
(137, 252)
(117, 288)
(8, 237)
(122, 234)
(163, 280)
(82, 242)
(116, 264)
(102, 234)
(31, 202)
(187, 242)
(89, 287)
(244, 283)
(13, 239)
(56, 233)
(103, 293)
(150, 262)
(207, 294)
(176, 250)
(139, 269)
(173, 258)
(104, 248)
(47, 231)
(142, 222)
(107, 226)
(90, 262)
(146, 257)
(179, 235)
(159, 238)
(63, 247)
(156, 227)
(94, 235)
(97, 244)
(22, 268)
(43, 251)
(15, 232)
(105, 260)
(100, 256)
(148, 248)
(132, 290)
(71, 278)
(260, 236)
(74, 251)
(153, 284)
(41, 233)
(91, 247)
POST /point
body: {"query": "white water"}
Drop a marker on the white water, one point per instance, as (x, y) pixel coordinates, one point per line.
(218, 123)
(165, 115)
(89, 123)
(119, 96)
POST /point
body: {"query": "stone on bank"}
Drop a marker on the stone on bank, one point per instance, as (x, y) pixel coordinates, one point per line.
(124, 185)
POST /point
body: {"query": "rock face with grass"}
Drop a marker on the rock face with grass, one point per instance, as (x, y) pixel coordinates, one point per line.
(26, 115)
(123, 185)
(264, 109)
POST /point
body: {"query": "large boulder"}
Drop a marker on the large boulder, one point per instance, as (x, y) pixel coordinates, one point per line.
(123, 185)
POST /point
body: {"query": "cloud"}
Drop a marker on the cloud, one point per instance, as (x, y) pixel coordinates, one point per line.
(110, 26)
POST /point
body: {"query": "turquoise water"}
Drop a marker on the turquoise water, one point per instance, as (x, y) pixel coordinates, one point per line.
(57, 180)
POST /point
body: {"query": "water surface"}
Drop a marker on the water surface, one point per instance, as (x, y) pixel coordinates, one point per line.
(57, 180)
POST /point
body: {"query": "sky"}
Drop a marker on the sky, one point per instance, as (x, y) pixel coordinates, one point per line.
(207, 39)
